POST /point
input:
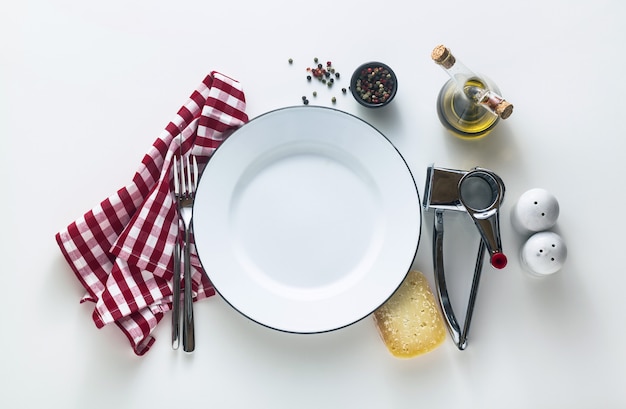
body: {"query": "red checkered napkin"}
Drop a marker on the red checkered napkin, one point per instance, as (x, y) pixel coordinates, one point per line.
(122, 250)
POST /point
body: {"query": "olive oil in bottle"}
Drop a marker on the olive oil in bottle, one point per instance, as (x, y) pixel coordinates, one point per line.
(468, 105)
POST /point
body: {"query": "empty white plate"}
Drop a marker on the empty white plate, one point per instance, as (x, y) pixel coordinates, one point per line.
(306, 219)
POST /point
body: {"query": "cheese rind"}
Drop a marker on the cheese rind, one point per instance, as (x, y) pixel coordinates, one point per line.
(410, 322)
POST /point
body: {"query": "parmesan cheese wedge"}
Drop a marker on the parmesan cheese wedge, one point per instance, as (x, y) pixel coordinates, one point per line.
(410, 322)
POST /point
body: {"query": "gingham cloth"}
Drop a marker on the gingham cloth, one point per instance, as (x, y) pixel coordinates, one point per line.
(122, 250)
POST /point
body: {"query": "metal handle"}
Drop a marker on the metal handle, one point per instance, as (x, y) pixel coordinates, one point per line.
(176, 298)
(189, 343)
(473, 292)
(440, 281)
(459, 336)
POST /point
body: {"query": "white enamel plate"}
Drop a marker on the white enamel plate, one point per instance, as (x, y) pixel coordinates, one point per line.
(306, 219)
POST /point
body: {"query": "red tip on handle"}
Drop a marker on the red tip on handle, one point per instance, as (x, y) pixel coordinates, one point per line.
(498, 260)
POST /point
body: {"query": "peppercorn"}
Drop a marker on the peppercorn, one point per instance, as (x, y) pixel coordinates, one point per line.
(291, 61)
(374, 85)
(325, 73)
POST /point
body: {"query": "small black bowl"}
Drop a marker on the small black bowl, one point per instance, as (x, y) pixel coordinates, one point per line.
(373, 84)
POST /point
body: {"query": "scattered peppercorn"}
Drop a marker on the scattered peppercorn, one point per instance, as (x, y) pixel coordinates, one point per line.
(343, 90)
(325, 74)
(291, 61)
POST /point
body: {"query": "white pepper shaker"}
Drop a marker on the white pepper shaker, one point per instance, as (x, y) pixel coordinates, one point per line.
(536, 210)
(544, 253)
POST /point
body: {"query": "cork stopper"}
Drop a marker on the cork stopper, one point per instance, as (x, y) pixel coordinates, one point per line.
(504, 109)
(442, 56)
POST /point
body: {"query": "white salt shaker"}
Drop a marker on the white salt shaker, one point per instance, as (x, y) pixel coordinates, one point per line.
(544, 253)
(536, 210)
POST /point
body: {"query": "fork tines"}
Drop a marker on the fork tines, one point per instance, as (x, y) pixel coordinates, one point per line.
(188, 179)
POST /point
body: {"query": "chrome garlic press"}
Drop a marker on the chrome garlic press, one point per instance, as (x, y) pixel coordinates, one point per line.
(479, 193)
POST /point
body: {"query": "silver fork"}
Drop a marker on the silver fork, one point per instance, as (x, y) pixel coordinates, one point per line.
(176, 277)
(188, 182)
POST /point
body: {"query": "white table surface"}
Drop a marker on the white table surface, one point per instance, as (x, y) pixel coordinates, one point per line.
(85, 88)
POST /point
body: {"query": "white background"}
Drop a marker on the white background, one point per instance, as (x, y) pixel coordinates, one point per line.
(86, 87)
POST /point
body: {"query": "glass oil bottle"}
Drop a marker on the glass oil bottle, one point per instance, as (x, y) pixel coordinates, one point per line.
(468, 105)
